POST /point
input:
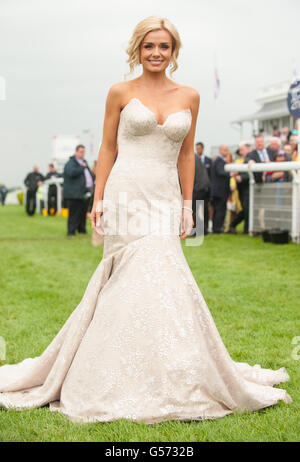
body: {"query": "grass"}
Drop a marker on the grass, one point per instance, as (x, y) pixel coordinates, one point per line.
(251, 288)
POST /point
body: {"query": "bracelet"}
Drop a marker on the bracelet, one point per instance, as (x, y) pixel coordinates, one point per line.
(187, 208)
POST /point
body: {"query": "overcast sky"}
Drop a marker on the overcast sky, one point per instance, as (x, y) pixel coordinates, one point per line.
(60, 57)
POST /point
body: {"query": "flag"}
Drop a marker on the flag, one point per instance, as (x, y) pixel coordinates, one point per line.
(217, 83)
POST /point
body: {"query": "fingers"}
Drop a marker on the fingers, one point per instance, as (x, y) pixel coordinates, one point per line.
(93, 219)
(182, 224)
(98, 214)
(188, 230)
(95, 222)
(100, 231)
(186, 233)
(187, 224)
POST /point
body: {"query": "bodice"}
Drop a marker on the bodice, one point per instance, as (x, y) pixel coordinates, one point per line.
(141, 138)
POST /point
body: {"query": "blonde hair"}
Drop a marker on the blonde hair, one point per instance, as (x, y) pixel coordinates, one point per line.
(142, 28)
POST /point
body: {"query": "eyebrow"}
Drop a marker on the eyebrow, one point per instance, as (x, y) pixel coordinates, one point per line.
(162, 43)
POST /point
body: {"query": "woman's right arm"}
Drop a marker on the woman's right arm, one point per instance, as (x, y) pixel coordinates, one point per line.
(107, 149)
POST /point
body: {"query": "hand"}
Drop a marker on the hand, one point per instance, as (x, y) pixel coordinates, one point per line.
(95, 215)
(251, 162)
(238, 178)
(187, 223)
(39, 183)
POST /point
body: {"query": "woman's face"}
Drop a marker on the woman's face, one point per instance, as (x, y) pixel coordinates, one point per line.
(156, 50)
(293, 141)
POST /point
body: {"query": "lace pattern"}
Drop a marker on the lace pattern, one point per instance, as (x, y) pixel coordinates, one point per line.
(141, 344)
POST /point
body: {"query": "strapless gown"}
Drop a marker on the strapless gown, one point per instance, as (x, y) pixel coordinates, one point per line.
(141, 344)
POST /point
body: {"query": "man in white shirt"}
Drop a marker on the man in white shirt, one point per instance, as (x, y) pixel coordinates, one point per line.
(260, 154)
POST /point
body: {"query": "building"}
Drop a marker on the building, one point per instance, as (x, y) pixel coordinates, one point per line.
(63, 146)
(273, 110)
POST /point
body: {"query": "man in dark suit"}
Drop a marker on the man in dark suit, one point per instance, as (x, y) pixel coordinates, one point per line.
(204, 159)
(32, 181)
(220, 189)
(200, 193)
(78, 187)
(260, 154)
(52, 190)
(208, 163)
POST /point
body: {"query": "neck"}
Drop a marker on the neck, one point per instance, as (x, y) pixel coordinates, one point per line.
(153, 80)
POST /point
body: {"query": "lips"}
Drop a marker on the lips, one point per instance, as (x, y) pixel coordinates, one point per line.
(155, 62)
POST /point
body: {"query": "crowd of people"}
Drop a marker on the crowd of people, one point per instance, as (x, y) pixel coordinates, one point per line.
(78, 190)
(220, 191)
(217, 190)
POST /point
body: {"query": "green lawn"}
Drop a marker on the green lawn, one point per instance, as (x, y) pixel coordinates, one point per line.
(251, 288)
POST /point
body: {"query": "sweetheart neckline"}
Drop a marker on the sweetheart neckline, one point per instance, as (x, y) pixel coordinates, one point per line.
(152, 113)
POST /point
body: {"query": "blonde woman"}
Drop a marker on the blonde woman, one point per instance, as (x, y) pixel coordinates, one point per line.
(234, 205)
(142, 344)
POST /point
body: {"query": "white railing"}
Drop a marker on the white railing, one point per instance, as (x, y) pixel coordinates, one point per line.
(284, 188)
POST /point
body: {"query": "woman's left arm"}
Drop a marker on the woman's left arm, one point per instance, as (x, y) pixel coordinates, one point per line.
(186, 167)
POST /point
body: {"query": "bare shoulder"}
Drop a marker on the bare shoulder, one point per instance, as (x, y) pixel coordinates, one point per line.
(189, 97)
(191, 94)
(117, 93)
(118, 88)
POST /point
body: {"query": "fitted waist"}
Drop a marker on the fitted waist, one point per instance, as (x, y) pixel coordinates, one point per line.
(146, 162)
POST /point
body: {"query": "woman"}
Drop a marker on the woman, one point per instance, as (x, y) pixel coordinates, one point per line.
(233, 202)
(142, 344)
(295, 156)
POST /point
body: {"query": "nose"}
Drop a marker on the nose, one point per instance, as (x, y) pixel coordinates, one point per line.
(156, 52)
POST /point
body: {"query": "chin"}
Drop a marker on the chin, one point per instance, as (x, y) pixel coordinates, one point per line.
(155, 69)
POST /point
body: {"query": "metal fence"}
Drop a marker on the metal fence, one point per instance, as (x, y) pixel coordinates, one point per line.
(273, 205)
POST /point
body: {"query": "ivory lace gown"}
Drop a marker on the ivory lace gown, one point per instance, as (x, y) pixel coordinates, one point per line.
(141, 344)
